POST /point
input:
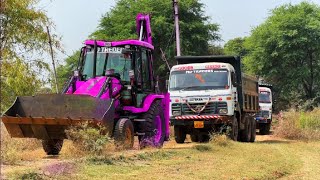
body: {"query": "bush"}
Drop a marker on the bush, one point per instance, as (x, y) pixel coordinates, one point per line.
(89, 139)
(220, 139)
(299, 125)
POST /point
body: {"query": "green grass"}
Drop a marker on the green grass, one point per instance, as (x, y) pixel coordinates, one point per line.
(310, 120)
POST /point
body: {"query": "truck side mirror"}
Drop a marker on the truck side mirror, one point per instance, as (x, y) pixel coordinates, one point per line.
(167, 84)
(234, 79)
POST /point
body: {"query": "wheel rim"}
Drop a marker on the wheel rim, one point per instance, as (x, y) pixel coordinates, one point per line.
(158, 129)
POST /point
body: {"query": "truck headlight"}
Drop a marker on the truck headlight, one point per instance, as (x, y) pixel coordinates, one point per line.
(176, 113)
(223, 111)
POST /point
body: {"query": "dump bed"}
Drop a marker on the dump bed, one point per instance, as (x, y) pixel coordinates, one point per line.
(247, 86)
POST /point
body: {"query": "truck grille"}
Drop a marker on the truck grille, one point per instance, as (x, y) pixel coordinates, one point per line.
(211, 108)
(263, 114)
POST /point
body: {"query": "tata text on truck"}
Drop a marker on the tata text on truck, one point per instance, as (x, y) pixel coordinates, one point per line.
(210, 93)
(264, 117)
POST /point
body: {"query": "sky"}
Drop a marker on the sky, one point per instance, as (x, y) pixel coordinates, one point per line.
(75, 20)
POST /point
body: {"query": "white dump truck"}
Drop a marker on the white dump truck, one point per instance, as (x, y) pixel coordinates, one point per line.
(264, 117)
(210, 93)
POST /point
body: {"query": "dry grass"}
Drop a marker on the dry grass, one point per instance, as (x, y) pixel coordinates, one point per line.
(299, 125)
(15, 150)
(220, 140)
(87, 140)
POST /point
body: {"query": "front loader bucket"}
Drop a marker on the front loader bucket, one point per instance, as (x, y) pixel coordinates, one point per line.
(47, 116)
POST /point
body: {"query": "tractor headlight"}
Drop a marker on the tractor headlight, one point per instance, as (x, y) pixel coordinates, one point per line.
(223, 111)
(176, 113)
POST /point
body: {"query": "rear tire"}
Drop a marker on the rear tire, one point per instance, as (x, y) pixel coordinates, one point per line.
(253, 129)
(179, 134)
(245, 134)
(194, 137)
(52, 146)
(154, 128)
(124, 134)
(264, 129)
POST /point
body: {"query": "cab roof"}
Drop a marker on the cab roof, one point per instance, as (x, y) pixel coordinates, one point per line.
(120, 43)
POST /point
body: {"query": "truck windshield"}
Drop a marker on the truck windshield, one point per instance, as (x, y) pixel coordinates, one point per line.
(121, 63)
(200, 79)
(264, 97)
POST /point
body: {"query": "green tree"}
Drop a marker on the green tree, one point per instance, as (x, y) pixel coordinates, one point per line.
(17, 79)
(215, 50)
(285, 50)
(196, 31)
(23, 41)
(23, 29)
(235, 47)
(64, 72)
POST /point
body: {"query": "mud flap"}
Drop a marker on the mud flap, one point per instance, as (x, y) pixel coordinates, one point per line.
(47, 116)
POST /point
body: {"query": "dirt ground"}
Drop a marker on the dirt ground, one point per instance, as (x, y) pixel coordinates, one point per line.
(52, 167)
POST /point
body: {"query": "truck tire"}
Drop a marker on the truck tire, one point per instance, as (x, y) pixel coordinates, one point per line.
(245, 134)
(253, 129)
(154, 128)
(233, 134)
(179, 134)
(52, 146)
(264, 129)
(124, 134)
(204, 137)
(194, 137)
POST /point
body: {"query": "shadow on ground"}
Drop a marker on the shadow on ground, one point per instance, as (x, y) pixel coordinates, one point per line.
(273, 142)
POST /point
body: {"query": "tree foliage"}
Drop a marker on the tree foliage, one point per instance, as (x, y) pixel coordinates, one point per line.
(65, 71)
(17, 79)
(23, 28)
(235, 47)
(23, 41)
(196, 31)
(285, 50)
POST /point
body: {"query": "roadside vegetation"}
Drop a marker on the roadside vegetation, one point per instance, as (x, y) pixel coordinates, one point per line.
(299, 125)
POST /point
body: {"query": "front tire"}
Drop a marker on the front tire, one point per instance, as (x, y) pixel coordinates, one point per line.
(264, 128)
(194, 137)
(52, 146)
(154, 127)
(179, 134)
(253, 129)
(124, 134)
(233, 134)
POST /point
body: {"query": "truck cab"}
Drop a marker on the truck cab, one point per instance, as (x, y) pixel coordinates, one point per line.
(199, 84)
(210, 93)
(264, 117)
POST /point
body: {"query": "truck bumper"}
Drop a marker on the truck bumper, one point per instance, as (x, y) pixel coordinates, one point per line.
(261, 120)
(207, 119)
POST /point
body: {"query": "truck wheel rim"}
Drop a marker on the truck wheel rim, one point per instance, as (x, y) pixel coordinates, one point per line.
(158, 129)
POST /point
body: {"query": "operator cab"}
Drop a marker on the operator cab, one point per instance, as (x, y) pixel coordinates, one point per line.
(130, 63)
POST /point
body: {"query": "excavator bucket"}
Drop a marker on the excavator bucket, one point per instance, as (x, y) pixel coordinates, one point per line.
(47, 116)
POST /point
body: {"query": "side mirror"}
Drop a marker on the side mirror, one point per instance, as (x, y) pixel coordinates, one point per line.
(167, 84)
(76, 73)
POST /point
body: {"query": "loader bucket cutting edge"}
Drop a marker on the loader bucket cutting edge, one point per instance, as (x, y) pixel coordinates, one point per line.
(47, 116)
